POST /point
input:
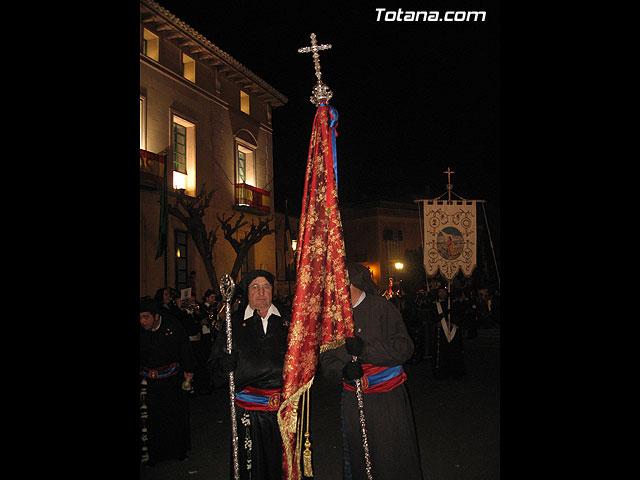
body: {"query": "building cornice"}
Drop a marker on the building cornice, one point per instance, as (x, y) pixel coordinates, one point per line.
(187, 84)
(206, 52)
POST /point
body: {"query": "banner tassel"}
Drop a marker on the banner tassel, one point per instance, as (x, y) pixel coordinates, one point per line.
(306, 455)
(300, 403)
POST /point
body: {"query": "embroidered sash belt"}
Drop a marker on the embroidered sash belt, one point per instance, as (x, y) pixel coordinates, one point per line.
(251, 398)
(378, 379)
(160, 372)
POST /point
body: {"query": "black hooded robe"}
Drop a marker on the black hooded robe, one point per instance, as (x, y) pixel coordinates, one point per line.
(448, 357)
(167, 409)
(393, 444)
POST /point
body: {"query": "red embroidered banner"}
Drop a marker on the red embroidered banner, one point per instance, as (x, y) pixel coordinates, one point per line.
(322, 316)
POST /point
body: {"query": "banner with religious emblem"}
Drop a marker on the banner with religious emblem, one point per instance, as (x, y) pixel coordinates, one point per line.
(450, 237)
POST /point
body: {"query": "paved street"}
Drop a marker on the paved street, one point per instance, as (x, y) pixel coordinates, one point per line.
(458, 424)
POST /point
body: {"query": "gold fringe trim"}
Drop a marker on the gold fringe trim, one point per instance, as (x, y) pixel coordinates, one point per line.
(331, 345)
(306, 455)
(290, 425)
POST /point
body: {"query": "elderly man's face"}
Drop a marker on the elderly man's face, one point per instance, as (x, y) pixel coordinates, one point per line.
(148, 320)
(260, 294)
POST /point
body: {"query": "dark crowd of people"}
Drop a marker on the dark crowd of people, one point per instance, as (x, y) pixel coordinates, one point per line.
(183, 353)
(431, 315)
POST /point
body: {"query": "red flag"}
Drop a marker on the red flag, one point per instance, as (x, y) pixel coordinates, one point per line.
(322, 316)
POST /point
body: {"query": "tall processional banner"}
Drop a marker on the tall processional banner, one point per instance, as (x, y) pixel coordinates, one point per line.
(322, 315)
(449, 237)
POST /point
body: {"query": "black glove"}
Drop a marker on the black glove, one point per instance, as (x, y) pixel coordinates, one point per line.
(229, 362)
(354, 345)
(352, 370)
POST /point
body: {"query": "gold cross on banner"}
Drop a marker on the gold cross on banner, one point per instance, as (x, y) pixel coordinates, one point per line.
(315, 48)
(321, 92)
(448, 171)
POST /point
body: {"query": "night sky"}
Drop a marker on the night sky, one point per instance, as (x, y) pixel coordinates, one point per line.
(413, 97)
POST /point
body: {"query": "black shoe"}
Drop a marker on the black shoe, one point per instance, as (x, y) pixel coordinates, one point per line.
(182, 458)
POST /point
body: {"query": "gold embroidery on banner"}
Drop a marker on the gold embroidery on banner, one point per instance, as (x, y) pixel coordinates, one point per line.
(332, 345)
(322, 314)
(460, 220)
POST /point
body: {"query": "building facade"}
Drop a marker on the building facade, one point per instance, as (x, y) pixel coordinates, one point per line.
(209, 118)
(378, 235)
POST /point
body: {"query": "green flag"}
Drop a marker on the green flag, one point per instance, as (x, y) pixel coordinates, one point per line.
(288, 251)
(164, 213)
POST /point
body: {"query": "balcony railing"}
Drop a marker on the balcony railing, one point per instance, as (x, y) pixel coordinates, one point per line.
(151, 168)
(250, 196)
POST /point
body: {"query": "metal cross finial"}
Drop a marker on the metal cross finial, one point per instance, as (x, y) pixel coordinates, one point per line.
(448, 171)
(315, 48)
(321, 92)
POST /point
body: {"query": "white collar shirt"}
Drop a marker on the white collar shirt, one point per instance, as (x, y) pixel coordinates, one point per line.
(248, 313)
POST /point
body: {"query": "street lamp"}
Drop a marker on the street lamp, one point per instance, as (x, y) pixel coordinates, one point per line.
(399, 266)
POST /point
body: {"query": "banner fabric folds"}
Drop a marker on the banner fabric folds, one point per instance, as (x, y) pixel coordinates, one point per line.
(449, 237)
(322, 316)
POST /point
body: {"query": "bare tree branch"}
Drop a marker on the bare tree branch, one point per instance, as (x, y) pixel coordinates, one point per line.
(190, 211)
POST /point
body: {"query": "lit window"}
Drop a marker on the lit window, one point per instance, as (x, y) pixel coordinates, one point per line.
(246, 166)
(143, 122)
(184, 155)
(188, 67)
(242, 167)
(179, 148)
(244, 102)
(150, 44)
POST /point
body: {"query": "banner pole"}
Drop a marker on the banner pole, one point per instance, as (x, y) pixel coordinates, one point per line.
(363, 425)
(495, 262)
(449, 305)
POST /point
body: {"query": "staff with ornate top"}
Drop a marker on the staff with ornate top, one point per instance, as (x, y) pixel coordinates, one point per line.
(227, 287)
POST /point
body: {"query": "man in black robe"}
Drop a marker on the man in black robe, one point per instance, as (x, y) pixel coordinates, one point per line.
(448, 359)
(259, 333)
(382, 345)
(167, 364)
